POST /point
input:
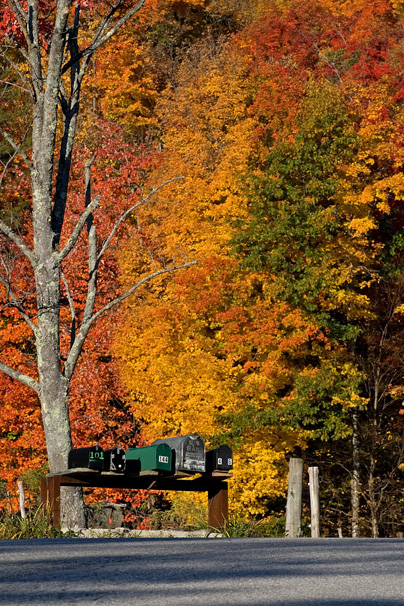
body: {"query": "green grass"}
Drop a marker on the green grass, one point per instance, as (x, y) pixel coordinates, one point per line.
(35, 525)
(238, 527)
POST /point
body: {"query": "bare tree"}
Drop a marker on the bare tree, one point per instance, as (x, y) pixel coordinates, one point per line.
(53, 81)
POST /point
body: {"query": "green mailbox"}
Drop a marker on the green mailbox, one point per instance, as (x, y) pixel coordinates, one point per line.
(149, 458)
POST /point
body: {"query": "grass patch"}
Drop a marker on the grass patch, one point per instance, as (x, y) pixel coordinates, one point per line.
(238, 527)
(36, 525)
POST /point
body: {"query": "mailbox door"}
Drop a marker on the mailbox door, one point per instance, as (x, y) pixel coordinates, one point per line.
(89, 457)
(132, 461)
(164, 457)
(114, 459)
(219, 459)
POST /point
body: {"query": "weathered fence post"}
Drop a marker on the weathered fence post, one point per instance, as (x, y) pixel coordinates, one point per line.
(22, 498)
(314, 502)
(294, 502)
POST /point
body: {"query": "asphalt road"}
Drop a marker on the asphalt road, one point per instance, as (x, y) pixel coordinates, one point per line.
(195, 572)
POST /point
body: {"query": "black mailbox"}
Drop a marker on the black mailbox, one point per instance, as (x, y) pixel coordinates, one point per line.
(114, 459)
(132, 462)
(219, 459)
(90, 457)
(188, 451)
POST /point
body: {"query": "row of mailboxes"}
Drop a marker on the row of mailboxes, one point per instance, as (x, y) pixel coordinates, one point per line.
(182, 454)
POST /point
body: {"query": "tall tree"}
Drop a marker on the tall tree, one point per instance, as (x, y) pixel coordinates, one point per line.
(54, 45)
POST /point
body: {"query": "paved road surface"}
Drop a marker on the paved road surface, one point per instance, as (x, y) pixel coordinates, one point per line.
(208, 572)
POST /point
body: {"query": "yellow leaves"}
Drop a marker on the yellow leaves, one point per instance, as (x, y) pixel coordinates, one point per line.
(360, 226)
(183, 388)
(377, 195)
(351, 401)
(399, 309)
(398, 7)
(208, 139)
(260, 472)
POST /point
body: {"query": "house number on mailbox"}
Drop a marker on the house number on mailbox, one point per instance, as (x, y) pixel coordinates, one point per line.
(163, 459)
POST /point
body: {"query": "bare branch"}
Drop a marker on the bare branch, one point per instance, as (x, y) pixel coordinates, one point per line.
(118, 25)
(19, 10)
(89, 320)
(12, 236)
(100, 38)
(92, 232)
(72, 309)
(21, 17)
(129, 211)
(14, 302)
(79, 226)
(9, 161)
(15, 86)
(76, 346)
(16, 68)
(129, 292)
(16, 148)
(5, 167)
(19, 376)
(15, 46)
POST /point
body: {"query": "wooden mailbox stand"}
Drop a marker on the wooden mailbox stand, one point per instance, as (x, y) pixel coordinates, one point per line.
(214, 484)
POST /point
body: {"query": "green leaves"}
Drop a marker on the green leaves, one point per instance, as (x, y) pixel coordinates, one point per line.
(295, 204)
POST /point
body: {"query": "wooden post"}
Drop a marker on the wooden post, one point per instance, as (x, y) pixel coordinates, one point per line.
(218, 505)
(50, 496)
(44, 492)
(294, 502)
(314, 502)
(22, 498)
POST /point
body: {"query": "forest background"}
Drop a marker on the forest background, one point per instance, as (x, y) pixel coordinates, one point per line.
(285, 121)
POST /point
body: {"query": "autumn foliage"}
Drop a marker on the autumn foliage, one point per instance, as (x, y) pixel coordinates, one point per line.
(281, 127)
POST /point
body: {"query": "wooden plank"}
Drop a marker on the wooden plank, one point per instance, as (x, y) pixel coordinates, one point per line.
(77, 471)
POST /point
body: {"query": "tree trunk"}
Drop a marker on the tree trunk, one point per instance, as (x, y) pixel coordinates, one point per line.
(372, 499)
(54, 392)
(355, 477)
(50, 73)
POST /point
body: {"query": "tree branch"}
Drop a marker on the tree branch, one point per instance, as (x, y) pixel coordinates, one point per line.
(21, 17)
(19, 10)
(16, 152)
(12, 236)
(19, 376)
(118, 25)
(13, 302)
(72, 309)
(89, 320)
(129, 211)
(129, 292)
(16, 68)
(99, 38)
(16, 148)
(5, 167)
(79, 226)
(16, 86)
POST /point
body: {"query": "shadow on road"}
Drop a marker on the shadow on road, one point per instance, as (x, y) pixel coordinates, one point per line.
(224, 572)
